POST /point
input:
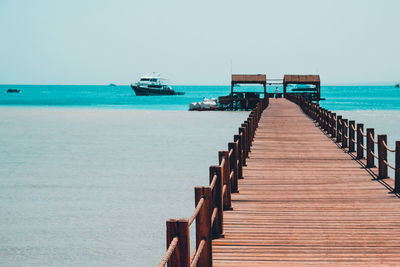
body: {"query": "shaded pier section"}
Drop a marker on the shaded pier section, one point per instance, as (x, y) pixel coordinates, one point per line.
(304, 202)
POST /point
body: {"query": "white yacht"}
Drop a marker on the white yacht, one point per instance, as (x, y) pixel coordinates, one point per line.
(153, 84)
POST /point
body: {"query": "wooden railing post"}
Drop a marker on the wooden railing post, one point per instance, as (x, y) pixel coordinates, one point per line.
(344, 133)
(247, 137)
(203, 225)
(397, 169)
(181, 255)
(239, 155)
(360, 140)
(233, 162)
(326, 120)
(338, 129)
(218, 226)
(225, 172)
(370, 148)
(333, 125)
(252, 123)
(352, 138)
(382, 155)
(242, 130)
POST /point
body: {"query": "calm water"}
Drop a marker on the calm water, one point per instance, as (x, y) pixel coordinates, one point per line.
(337, 97)
(89, 174)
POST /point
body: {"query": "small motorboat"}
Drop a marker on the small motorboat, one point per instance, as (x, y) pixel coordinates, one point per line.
(206, 104)
(153, 85)
(15, 91)
(397, 85)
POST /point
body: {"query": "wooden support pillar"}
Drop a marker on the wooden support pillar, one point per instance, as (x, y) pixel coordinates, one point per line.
(226, 182)
(284, 90)
(242, 133)
(382, 155)
(234, 166)
(344, 133)
(181, 255)
(203, 225)
(338, 129)
(397, 169)
(265, 89)
(218, 226)
(333, 134)
(352, 138)
(370, 148)
(238, 141)
(360, 140)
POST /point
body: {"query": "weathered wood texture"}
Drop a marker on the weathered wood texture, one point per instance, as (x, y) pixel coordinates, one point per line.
(304, 202)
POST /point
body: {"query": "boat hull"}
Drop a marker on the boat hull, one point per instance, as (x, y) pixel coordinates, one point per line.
(150, 91)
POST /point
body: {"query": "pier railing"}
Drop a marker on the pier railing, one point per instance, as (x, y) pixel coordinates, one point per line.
(212, 200)
(354, 139)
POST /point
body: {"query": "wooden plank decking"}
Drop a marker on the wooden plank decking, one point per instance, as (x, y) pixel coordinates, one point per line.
(304, 202)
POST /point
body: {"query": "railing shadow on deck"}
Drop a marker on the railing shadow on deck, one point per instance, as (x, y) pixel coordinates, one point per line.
(212, 200)
(350, 137)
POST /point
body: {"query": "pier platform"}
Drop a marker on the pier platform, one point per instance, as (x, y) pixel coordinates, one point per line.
(304, 201)
(298, 186)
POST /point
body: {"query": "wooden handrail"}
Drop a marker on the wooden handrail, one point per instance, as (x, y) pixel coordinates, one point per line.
(212, 200)
(170, 250)
(353, 140)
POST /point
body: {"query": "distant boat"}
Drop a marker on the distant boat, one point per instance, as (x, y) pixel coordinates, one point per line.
(397, 85)
(15, 91)
(112, 84)
(153, 85)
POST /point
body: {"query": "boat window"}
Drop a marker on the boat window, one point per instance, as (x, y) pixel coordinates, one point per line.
(144, 79)
(153, 80)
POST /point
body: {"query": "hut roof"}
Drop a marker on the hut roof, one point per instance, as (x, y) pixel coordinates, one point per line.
(249, 78)
(301, 79)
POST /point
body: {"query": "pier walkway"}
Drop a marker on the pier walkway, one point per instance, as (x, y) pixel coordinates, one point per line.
(304, 201)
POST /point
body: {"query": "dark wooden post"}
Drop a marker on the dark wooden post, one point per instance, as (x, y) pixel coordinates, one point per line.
(397, 169)
(344, 133)
(247, 136)
(370, 148)
(382, 154)
(338, 129)
(234, 166)
(352, 138)
(360, 140)
(218, 226)
(319, 116)
(181, 255)
(326, 120)
(242, 133)
(203, 224)
(225, 173)
(237, 140)
(333, 125)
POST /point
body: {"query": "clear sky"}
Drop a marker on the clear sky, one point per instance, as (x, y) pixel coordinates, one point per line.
(193, 42)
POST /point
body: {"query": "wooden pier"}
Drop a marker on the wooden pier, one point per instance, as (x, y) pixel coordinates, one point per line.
(308, 196)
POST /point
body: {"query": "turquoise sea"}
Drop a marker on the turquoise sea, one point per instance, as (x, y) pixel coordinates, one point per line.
(90, 174)
(337, 97)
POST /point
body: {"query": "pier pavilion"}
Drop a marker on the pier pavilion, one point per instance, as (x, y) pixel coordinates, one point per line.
(313, 94)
